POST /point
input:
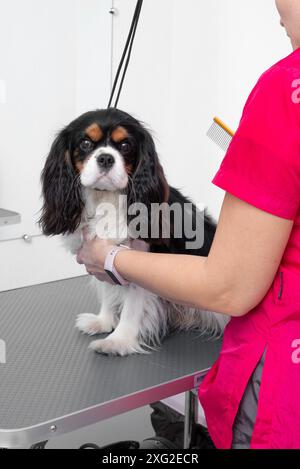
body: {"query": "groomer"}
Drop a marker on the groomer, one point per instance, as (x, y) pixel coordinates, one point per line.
(251, 394)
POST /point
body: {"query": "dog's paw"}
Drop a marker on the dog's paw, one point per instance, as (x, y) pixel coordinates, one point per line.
(116, 346)
(91, 324)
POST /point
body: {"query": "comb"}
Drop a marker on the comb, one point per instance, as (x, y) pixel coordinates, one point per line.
(220, 133)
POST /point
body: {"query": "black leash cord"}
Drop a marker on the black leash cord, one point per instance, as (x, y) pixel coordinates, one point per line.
(127, 51)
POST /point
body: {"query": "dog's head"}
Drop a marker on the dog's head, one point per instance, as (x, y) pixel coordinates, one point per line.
(100, 150)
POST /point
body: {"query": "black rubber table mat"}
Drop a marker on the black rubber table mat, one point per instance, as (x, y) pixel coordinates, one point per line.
(50, 374)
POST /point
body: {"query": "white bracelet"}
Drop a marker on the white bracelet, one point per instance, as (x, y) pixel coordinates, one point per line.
(109, 265)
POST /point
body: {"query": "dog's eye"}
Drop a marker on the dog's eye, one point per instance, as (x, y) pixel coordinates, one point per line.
(125, 147)
(86, 145)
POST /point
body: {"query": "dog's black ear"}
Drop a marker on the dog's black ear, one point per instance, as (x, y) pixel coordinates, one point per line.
(148, 185)
(63, 204)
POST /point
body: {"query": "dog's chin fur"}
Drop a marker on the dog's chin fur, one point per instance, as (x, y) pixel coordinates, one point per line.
(135, 319)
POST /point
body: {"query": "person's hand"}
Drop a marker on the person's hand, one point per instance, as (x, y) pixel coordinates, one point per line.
(92, 254)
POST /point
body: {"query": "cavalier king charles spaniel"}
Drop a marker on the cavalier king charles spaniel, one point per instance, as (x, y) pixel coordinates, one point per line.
(100, 158)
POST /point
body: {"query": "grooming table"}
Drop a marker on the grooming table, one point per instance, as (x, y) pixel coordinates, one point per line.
(51, 383)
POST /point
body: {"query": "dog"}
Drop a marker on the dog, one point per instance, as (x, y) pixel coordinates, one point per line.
(100, 158)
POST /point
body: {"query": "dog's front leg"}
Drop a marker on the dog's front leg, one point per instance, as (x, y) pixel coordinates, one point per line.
(125, 338)
(111, 299)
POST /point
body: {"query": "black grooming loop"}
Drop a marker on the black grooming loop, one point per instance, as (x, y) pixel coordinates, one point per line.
(127, 52)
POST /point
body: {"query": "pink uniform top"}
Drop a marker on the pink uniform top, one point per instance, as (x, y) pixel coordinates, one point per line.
(262, 167)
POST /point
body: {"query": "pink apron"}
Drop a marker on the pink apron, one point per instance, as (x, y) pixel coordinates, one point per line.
(275, 325)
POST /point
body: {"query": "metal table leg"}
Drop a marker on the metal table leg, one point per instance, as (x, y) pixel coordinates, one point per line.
(190, 418)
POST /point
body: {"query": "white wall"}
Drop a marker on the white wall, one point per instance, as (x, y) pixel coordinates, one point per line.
(55, 57)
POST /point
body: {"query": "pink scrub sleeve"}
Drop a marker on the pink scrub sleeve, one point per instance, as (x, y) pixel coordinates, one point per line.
(262, 164)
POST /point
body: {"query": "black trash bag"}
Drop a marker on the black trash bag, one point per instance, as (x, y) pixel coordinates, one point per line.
(157, 442)
(128, 444)
(169, 424)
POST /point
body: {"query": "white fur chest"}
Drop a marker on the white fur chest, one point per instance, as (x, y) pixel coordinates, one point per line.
(105, 214)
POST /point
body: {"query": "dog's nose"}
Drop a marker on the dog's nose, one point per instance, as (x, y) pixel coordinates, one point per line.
(105, 161)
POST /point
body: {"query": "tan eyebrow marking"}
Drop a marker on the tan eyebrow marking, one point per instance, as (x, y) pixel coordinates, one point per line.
(79, 166)
(119, 134)
(94, 132)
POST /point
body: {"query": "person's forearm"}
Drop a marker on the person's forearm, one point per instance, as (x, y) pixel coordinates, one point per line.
(235, 277)
(182, 279)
